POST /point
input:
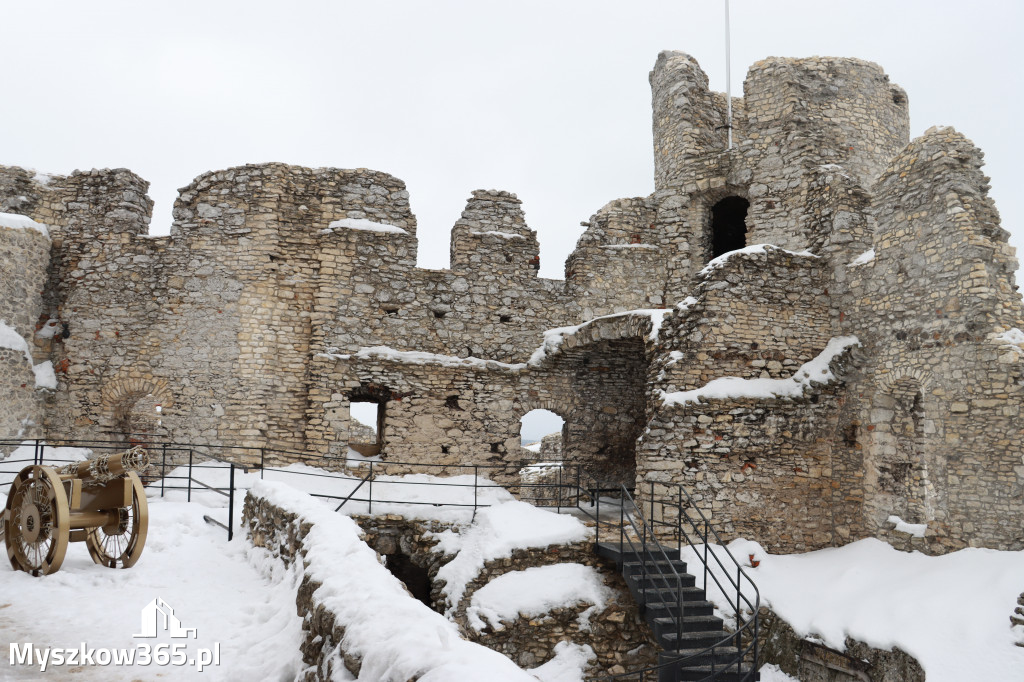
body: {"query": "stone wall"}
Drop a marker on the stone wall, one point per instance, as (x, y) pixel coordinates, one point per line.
(24, 257)
(810, 661)
(283, 294)
(618, 634)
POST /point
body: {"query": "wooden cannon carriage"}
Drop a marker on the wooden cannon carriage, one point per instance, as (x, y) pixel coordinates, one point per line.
(100, 502)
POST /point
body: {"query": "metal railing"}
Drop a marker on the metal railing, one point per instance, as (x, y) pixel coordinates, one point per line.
(189, 467)
(649, 538)
(569, 488)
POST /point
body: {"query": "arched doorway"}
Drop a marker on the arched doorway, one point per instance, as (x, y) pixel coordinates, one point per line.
(541, 432)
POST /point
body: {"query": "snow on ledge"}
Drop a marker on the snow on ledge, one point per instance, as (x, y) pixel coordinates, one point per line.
(503, 235)
(9, 338)
(45, 376)
(533, 592)
(863, 259)
(552, 342)
(815, 371)
(553, 338)
(1012, 337)
(497, 532)
(719, 262)
(362, 224)
(396, 636)
(650, 247)
(414, 357)
(916, 530)
(21, 222)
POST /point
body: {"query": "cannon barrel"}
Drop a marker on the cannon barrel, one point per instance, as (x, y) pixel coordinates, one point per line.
(103, 469)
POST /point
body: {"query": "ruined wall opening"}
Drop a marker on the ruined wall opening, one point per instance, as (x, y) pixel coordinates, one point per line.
(904, 462)
(416, 578)
(728, 225)
(137, 417)
(541, 432)
(367, 412)
(609, 409)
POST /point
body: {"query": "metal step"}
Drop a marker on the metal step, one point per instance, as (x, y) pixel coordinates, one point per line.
(698, 607)
(704, 672)
(688, 624)
(661, 581)
(698, 639)
(660, 566)
(626, 552)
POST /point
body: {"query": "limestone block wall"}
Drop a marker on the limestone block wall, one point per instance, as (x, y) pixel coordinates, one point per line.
(762, 313)
(492, 236)
(440, 411)
(828, 110)
(618, 634)
(24, 257)
(756, 469)
(940, 401)
(796, 116)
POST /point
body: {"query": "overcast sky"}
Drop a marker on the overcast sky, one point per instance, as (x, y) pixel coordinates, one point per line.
(549, 100)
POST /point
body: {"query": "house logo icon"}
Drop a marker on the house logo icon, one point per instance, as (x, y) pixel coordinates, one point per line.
(158, 615)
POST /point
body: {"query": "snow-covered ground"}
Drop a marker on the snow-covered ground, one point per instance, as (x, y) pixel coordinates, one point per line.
(235, 596)
(951, 612)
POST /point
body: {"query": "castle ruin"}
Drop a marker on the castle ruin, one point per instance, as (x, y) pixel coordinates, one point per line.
(814, 331)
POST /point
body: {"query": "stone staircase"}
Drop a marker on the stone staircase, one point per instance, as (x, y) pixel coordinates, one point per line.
(679, 614)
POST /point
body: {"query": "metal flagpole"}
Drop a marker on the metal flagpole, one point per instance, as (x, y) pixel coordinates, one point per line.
(728, 76)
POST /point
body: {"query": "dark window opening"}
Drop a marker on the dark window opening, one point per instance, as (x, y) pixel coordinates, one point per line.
(505, 318)
(391, 310)
(415, 577)
(452, 402)
(445, 449)
(728, 225)
(495, 446)
(439, 314)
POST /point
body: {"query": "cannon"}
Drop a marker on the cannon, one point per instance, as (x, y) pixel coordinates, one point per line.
(100, 502)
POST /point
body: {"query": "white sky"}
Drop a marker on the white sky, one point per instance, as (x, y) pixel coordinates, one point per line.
(549, 100)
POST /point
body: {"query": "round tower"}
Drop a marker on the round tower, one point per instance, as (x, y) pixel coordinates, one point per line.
(689, 120)
(831, 109)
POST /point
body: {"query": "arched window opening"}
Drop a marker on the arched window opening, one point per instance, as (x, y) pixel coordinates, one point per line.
(540, 432)
(728, 225)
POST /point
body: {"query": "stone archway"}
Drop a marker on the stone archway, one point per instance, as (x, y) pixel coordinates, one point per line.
(134, 407)
(902, 463)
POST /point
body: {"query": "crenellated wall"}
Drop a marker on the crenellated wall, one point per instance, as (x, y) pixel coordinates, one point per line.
(284, 294)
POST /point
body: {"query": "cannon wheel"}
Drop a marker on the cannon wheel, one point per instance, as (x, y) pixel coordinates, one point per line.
(36, 521)
(119, 545)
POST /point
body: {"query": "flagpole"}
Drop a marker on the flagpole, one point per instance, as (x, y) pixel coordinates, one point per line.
(728, 76)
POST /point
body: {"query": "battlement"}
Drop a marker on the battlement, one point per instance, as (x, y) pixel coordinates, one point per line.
(855, 285)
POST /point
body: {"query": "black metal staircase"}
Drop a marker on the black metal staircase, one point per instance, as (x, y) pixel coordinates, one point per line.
(696, 644)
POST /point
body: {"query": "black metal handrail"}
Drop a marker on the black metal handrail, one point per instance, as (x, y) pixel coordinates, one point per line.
(646, 543)
(573, 489)
(165, 454)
